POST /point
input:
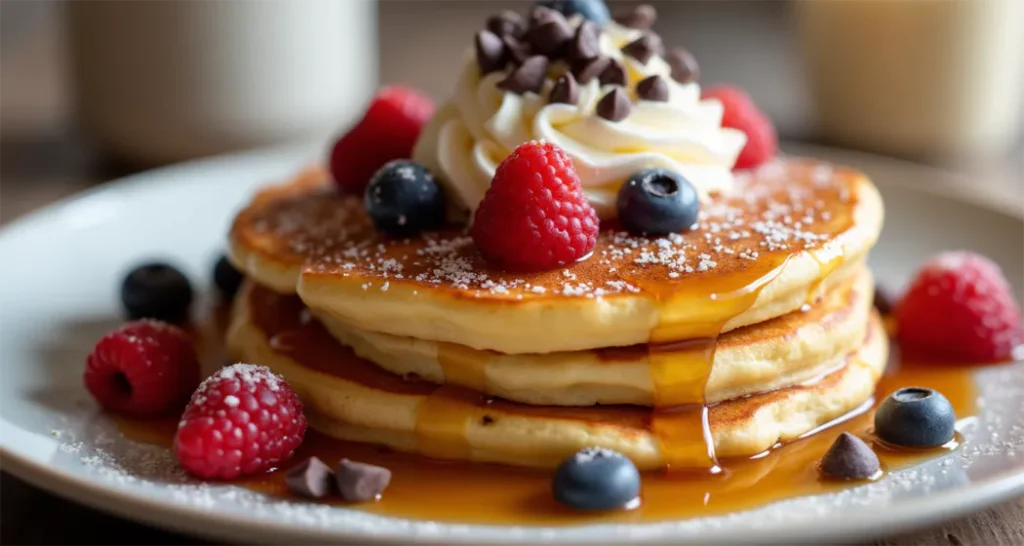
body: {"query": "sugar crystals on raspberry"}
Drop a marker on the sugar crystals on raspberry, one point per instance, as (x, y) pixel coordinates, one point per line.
(242, 420)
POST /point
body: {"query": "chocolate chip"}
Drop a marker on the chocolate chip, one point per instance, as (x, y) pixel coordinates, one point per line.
(684, 66)
(360, 482)
(551, 38)
(885, 300)
(850, 458)
(585, 42)
(528, 76)
(641, 17)
(613, 74)
(490, 52)
(517, 51)
(614, 106)
(543, 14)
(565, 91)
(310, 478)
(653, 88)
(506, 23)
(644, 47)
(589, 69)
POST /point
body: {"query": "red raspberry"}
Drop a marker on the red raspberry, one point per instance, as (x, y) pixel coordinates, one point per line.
(241, 420)
(535, 216)
(145, 368)
(741, 113)
(388, 130)
(959, 308)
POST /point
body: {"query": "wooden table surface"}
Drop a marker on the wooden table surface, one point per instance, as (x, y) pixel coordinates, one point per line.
(42, 159)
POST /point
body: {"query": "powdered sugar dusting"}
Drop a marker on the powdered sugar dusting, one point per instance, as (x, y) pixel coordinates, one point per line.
(781, 208)
(248, 374)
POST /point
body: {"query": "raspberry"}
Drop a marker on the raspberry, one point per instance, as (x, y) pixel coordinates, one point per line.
(535, 215)
(388, 131)
(959, 308)
(741, 113)
(145, 368)
(241, 420)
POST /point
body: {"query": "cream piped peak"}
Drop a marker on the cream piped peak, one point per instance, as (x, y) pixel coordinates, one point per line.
(565, 81)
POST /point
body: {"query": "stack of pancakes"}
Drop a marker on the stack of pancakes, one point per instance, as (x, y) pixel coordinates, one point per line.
(754, 328)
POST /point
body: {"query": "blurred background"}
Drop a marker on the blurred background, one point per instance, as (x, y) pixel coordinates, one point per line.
(93, 89)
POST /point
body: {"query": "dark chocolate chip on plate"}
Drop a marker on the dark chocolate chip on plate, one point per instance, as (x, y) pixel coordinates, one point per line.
(653, 88)
(490, 52)
(683, 64)
(527, 77)
(310, 478)
(585, 42)
(614, 106)
(644, 47)
(565, 91)
(641, 17)
(589, 69)
(506, 23)
(613, 74)
(360, 482)
(850, 458)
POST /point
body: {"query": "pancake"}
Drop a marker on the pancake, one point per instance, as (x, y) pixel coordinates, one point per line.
(351, 398)
(759, 252)
(756, 358)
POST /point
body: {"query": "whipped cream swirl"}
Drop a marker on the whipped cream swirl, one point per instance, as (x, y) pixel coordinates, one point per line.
(481, 124)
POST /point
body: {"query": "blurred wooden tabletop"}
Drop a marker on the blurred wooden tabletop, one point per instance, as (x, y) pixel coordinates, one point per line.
(42, 159)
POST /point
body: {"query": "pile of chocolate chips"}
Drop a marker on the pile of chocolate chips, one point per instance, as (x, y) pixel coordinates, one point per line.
(546, 37)
(353, 481)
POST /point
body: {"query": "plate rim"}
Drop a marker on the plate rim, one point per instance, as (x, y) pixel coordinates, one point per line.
(134, 505)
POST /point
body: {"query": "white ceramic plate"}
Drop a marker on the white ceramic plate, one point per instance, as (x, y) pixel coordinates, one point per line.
(60, 270)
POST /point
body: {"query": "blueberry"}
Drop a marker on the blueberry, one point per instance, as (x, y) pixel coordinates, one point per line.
(596, 479)
(158, 291)
(595, 10)
(915, 417)
(403, 198)
(227, 278)
(657, 202)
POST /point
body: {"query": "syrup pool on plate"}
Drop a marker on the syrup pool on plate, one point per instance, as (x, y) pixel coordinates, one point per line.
(482, 493)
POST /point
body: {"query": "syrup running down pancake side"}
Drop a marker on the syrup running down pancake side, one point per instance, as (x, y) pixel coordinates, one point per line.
(352, 398)
(752, 257)
(496, 494)
(756, 358)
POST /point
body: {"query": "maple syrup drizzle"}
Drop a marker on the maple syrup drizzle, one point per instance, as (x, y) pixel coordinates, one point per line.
(679, 373)
(495, 494)
(442, 418)
(829, 257)
(461, 366)
(680, 369)
(441, 424)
